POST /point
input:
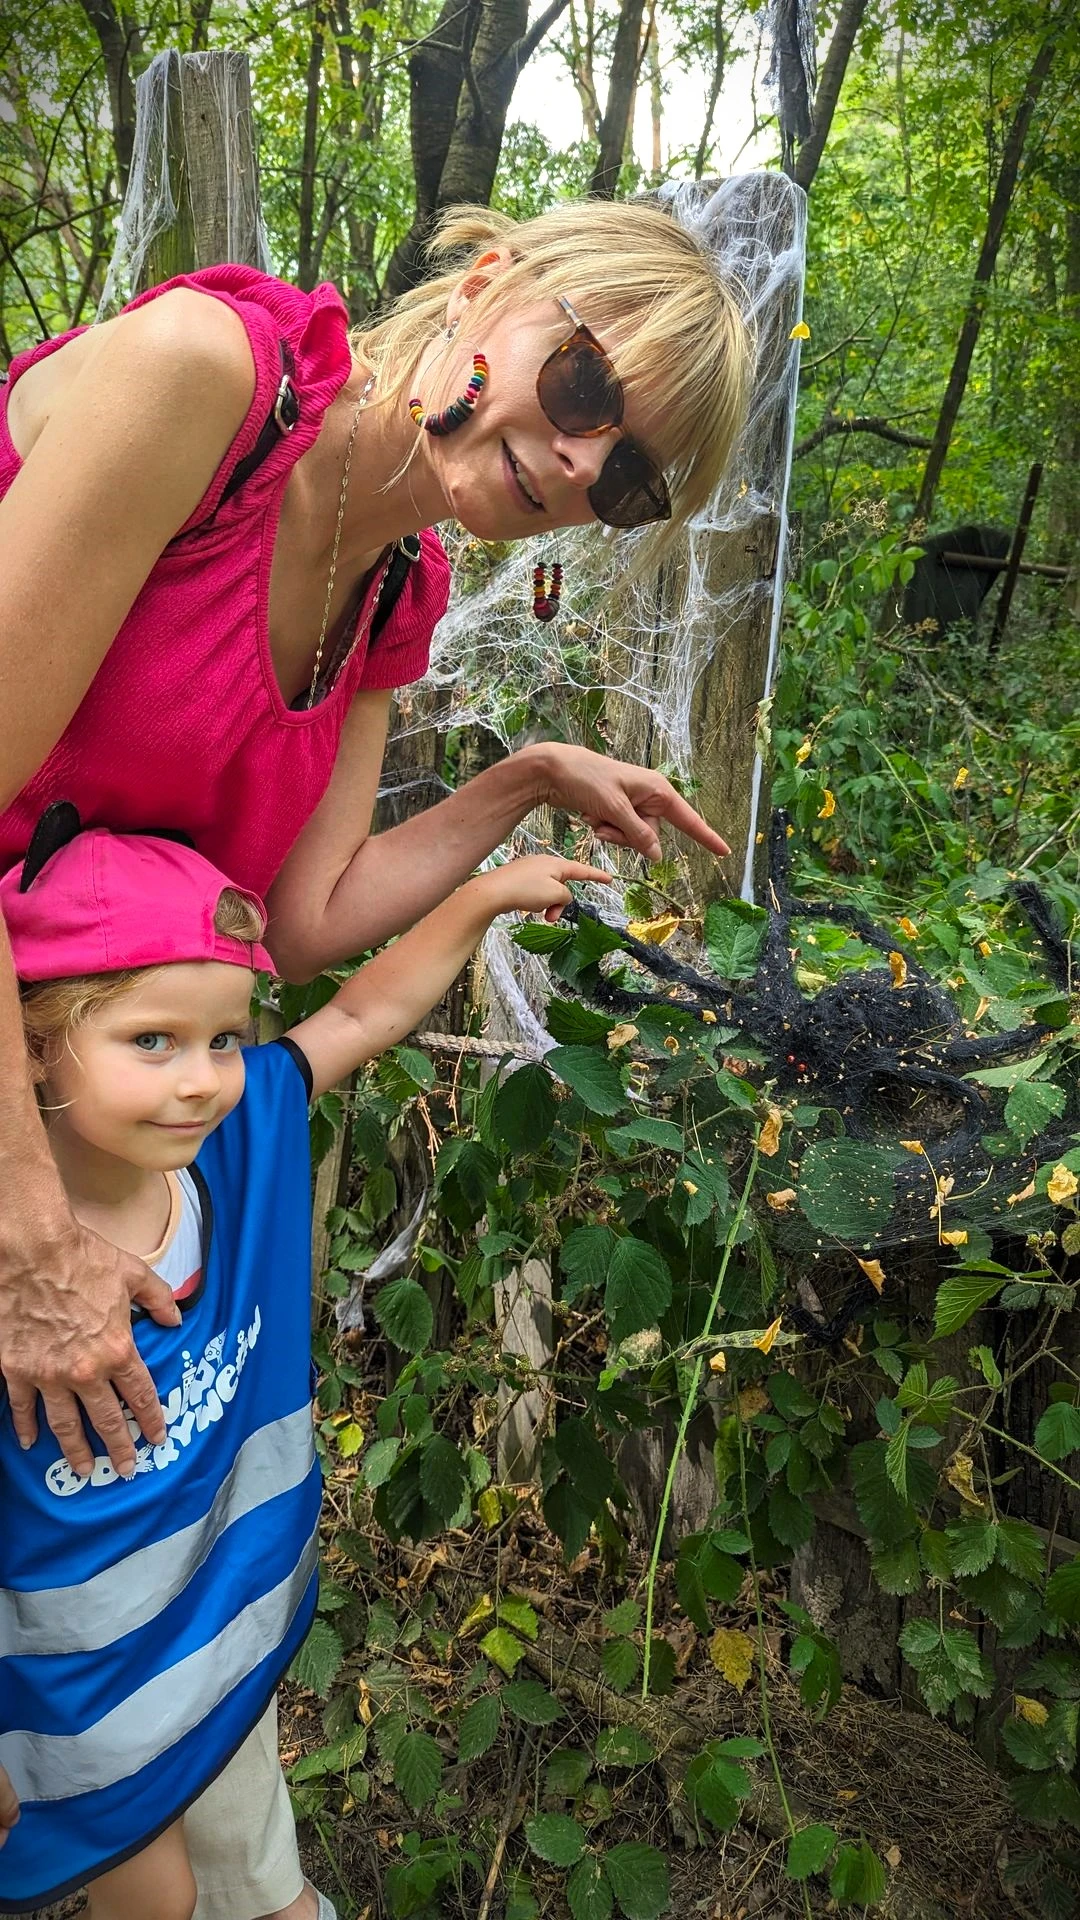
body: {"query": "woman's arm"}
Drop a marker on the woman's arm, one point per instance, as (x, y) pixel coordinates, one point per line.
(381, 1003)
(9, 1807)
(122, 460)
(342, 890)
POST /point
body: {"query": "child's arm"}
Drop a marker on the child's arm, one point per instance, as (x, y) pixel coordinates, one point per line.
(9, 1807)
(384, 1001)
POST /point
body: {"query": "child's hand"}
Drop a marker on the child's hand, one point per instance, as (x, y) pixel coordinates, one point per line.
(537, 883)
(9, 1806)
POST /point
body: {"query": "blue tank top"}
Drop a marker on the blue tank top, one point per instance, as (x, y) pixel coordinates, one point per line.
(145, 1624)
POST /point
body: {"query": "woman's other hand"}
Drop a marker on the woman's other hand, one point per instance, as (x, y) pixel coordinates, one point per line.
(9, 1806)
(621, 802)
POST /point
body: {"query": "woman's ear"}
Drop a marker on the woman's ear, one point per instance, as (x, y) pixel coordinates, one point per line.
(476, 280)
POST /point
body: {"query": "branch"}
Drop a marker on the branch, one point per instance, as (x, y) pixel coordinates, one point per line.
(522, 50)
(862, 423)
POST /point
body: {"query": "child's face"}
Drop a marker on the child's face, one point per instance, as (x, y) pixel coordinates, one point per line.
(148, 1076)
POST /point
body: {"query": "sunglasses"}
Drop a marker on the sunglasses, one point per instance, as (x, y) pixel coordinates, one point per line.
(581, 394)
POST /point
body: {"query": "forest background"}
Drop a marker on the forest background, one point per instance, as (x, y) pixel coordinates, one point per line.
(683, 1655)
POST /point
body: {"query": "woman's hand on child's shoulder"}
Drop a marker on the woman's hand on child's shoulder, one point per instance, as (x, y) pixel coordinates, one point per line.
(538, 883)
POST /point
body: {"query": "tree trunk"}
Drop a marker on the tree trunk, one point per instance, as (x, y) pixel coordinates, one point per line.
(462, 79)
(121, 44)
(306, 210)
(976, 307)
(622, 87)
(715, 84)
(847, 26)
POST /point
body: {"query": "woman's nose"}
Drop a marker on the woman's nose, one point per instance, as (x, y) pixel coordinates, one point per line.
(582, 459)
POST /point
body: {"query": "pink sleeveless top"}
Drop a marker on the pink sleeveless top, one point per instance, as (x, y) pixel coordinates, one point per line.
(183, 725)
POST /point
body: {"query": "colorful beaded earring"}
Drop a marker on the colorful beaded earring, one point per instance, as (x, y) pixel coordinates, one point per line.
(459, 410)
(547, 590)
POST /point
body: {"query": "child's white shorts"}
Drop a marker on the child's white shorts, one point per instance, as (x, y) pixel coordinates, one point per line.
(241, 1835)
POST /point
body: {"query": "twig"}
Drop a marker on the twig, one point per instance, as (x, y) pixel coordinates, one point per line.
(504, 1831)
(484, 1049)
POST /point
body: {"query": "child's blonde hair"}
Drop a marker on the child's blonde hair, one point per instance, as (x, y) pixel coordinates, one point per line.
(52, 1009)
(638, 278)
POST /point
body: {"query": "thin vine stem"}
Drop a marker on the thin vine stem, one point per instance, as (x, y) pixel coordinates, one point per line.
(1000, 1434)
(689, 1403)
(763, 1681)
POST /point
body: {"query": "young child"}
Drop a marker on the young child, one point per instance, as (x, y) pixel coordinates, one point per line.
(145, 1623)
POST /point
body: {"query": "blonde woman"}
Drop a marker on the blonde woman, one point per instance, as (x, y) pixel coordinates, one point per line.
(204, 609)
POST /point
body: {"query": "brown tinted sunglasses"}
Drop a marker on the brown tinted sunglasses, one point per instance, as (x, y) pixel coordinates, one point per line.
(581, 394)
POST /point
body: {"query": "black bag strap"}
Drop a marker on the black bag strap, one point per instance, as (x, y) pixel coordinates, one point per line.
(281, 419)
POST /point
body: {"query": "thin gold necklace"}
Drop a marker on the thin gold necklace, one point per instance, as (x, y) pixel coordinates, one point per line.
(361, 633)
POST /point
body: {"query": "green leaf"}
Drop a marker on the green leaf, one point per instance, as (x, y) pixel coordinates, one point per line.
(638, 1290)
(646, 1132)
(556, 1838)
(527, 1700)
(734, 936)
(567, 1515)
(479, 1726)
(523, 1111)
(972, 1544)
(444, 1481)
(571, 1024)
(591, 1473)
(790, 1397)
(379, 1461)
(418, 1769)
(898, 1569)
(639, 1879)
(1063, 1592)
(318, 1661)
(709, 1792)
(567, 1771)
(620, 1663)
(961, 1297)
(584, 1258)
(625, 1618)
(503, 1649)
(517, 1613)
(1030, 1107)
(1029, 1746)
(858, 1878)
(405, 1314)
(623, 1747)
(896, 1460)
(588, 1891)
(846, 1187)
(1058, 1432)
(809, 1852)
(592, 1075)
(790, 1518)
(541, 936)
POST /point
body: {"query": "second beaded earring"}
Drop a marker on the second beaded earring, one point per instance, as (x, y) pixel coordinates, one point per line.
(459, 410)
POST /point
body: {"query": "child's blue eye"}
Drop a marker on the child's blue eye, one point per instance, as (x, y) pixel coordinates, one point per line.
(152, 1042)
(225, 1043)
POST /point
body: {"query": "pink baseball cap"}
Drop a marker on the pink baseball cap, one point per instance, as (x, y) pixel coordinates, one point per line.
(102, 902)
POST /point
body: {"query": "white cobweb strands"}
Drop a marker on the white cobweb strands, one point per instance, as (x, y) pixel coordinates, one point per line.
(494, 666)
(197, 105)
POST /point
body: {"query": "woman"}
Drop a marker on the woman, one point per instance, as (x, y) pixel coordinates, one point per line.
(180, 650)
(202, 500)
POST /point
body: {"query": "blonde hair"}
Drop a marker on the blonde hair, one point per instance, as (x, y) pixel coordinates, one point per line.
(52, 1009)
(634, 272)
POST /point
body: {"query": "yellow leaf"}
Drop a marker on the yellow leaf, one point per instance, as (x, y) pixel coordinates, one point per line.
(489, 1508)
(985, 949)
(671, 1043)
(781, 1200)
(1025, 1193)
(803, 753)
(800, 331)
(708, 1019)
(621, 1036)
(769, 1136)
(847, 1794)
(1061, 1186)
(908, 926)
(789, 830)
(962, 777)
(654, 932)
(958, 1474)
(765, 1344)
(982, 1008)
(718, 1362)
(752, 1400)
(898, 969)
(874, 1272)
(690, 1187)
(481, 1609)
(828, 805)
(732, 1654)
(1032, 1711)
(955, 1237)
(912, 1146)
(893, 1857)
